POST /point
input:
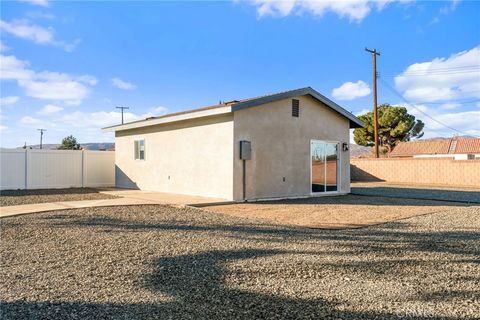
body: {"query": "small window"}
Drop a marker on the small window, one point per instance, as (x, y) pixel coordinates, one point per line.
(295, 108)
(140, 149)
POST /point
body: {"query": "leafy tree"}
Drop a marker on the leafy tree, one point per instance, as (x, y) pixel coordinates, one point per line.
(69, 143)
(395, 124)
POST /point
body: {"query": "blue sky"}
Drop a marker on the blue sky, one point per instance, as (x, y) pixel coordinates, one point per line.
(66, 65)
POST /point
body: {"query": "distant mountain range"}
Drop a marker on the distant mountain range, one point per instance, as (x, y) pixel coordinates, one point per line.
(87, 146)
(357, 151)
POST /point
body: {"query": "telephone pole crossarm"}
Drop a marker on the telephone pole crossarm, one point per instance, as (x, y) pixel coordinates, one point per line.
(122, 108)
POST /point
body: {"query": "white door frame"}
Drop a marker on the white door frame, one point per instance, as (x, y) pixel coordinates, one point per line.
(339, 168)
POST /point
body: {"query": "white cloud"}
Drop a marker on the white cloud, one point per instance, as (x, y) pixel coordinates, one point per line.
(119, 83)
(450, 7)
(90, 80)
(28, 121)
(464, 121)
(3, 47)
(46, 85)
(351, 90)
(85, 126)
(354, 10)
(362, 112)
(49, 109)
(100, 119)
(95, 120)
(9, 100)
(40, 15)
(450, 106)
(155, 112)
(43, 3)
(14, 69)
(55, 90)
(25, 29)
(3, 128)
(442, 79)
(68, 47)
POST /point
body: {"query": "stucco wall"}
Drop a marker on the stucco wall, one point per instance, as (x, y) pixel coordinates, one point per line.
(189, 157)
(281, 147)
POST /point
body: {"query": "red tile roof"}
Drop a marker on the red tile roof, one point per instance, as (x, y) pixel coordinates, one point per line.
(468, 145)
(458, 145)
(408, 149)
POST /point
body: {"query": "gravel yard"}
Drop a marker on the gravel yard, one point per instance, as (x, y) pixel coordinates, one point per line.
(161, 262)
(18, 197)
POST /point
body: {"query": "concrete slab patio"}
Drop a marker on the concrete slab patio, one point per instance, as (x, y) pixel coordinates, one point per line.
(417, 191)
(339, 212)
(125, 198)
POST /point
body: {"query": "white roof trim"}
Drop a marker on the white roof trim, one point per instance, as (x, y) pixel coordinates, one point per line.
(169, 119)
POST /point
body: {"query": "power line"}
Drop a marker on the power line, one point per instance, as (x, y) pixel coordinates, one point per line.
(459, 67)
(428, 73)
(449, 101)
(419, 110)
(442, 70)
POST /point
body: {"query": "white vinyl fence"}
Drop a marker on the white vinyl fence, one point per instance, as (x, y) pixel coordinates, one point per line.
(50, 169)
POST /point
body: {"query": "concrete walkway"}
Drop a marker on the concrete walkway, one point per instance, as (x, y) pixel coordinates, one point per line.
(127, 198)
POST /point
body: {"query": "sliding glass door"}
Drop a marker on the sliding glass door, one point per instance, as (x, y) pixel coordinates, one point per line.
(324, 166)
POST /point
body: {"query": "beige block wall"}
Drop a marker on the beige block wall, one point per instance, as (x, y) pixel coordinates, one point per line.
(441, 171)
(281, 147)
(190, 157)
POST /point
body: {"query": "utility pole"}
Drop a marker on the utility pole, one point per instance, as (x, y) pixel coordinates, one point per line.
(41, 136)
(122, 108)
(375, 119)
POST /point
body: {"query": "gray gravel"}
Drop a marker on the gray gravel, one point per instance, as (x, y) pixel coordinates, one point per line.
(160, 262)
(18, 197)
(467, 195)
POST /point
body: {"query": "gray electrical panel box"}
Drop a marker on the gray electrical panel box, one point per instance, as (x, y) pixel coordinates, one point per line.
(245, 150)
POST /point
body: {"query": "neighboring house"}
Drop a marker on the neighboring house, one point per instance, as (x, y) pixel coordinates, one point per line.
(459, 148)
(289, 144)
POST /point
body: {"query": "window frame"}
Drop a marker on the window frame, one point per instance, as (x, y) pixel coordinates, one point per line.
(137, 150)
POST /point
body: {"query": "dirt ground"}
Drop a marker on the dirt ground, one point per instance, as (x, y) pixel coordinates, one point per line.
(19, 197)
(339, 212)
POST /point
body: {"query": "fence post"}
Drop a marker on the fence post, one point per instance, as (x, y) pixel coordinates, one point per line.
(26, 169)
(83, 168)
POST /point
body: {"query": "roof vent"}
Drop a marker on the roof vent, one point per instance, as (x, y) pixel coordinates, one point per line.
(149, 118)
(228, 103)
(295, 108)
(453, 145)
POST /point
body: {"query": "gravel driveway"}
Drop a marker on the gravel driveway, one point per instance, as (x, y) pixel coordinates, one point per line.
(18, 197)
(160, 262)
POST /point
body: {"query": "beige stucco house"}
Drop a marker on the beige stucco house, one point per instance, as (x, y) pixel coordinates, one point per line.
(289, 144)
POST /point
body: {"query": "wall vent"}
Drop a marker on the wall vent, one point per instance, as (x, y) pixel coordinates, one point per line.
(295, 108)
